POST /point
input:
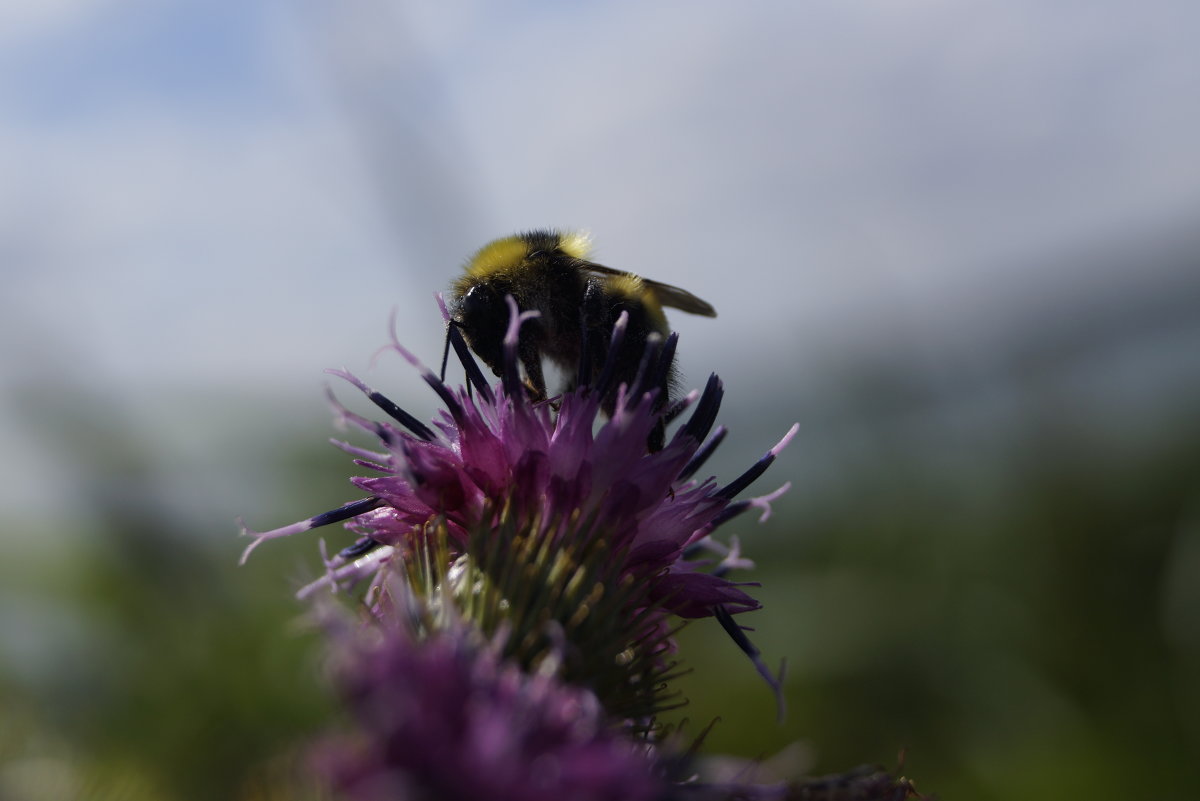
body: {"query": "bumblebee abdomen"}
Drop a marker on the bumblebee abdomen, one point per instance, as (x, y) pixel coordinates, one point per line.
(629, 292)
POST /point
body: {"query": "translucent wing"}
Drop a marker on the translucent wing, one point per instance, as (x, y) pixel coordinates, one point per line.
(667, 295)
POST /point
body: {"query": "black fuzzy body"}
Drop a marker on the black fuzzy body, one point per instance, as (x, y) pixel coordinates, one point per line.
(578, 309)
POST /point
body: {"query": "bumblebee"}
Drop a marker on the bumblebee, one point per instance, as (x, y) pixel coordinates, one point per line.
(579, 302)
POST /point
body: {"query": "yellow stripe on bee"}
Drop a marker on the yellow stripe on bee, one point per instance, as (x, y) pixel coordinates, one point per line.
(627, 284)
(498, 256)
(633, 287)
(577, 244)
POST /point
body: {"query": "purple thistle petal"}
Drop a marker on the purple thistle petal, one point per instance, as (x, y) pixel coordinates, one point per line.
(350, 510)
(692, 595)
(475, 377)
(705, 414)
(363, 546)
(512, 381)
(761, 502)
(444, 717)
(364, 455)
(759, 467)
(343, 571)
(383, 402)
(775, 681)
(706, 450)
(604, 382)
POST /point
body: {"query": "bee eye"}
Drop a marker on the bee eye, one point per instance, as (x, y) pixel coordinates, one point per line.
(480, 299)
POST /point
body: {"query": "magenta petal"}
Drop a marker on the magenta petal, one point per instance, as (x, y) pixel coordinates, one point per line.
(657, 554)
(693, 595)
(445, 718)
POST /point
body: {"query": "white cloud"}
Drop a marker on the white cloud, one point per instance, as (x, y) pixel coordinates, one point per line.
(862, 170)
(826, 169)
(25, 19)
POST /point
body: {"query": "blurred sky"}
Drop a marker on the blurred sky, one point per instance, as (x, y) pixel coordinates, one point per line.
(205, 200)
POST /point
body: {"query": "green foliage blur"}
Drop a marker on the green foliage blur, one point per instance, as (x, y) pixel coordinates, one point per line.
(1016, 612)
(139, 661)
(1035, 638)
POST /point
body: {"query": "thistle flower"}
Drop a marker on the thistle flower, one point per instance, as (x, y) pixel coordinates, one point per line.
(557, 519)
(523, 562)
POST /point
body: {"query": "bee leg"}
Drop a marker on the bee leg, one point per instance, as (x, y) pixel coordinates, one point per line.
(593, 343)
(531, 360)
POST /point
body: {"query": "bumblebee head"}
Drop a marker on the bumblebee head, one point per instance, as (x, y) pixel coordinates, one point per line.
(482, 315)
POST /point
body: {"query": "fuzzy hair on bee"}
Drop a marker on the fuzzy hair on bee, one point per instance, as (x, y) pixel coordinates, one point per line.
(579, 303)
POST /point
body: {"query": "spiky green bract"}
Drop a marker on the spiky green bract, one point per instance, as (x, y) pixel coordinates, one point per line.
(569, 596)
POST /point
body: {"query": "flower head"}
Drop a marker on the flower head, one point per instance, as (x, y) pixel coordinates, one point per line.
(523, 562)
(547, 520)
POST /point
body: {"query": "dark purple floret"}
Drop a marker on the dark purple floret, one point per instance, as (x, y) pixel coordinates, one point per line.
(445, 717)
